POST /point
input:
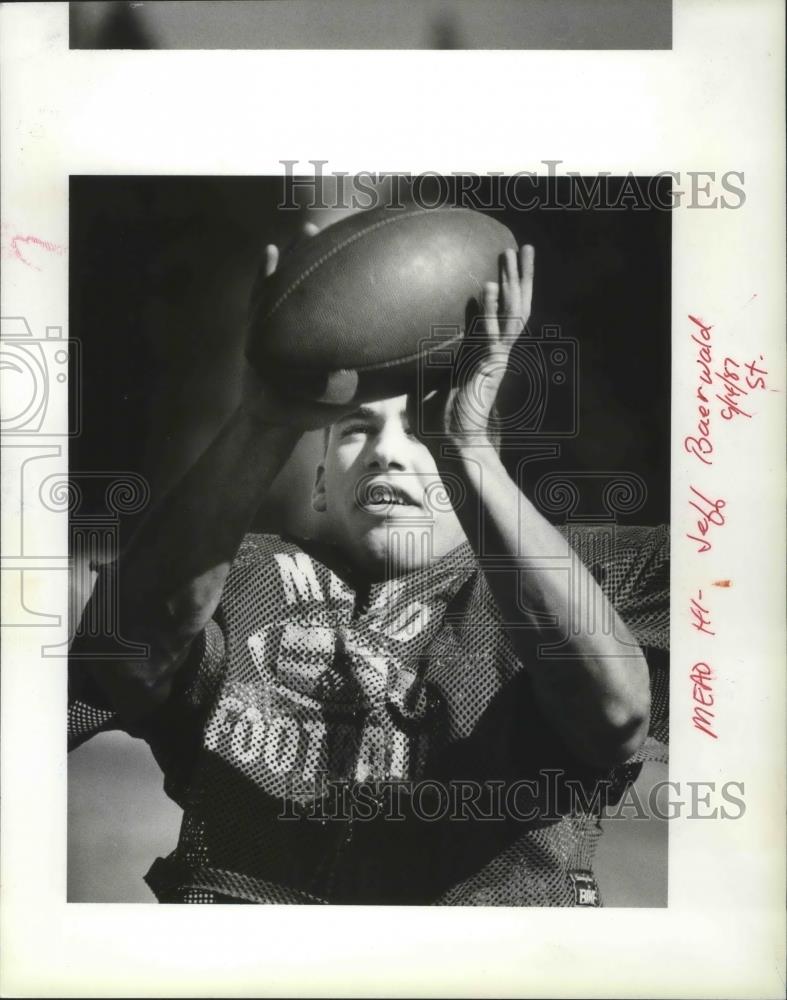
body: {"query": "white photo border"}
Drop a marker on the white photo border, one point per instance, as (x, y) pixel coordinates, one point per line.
(713, 103)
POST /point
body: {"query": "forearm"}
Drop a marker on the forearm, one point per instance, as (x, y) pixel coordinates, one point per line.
(195, 531)
(588, 674)
(172, 572)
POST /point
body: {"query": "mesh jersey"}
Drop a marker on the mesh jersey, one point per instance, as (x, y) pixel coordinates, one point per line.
(354, 745)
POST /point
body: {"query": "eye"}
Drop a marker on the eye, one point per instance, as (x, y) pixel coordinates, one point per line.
(358, 428)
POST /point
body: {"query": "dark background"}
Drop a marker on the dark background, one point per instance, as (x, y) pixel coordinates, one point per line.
(161, 268)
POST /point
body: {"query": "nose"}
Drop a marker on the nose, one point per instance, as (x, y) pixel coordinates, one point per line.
(388, 448)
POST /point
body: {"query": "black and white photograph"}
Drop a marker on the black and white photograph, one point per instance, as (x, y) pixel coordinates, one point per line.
(371, 24)
(403, 578)
(392, 411)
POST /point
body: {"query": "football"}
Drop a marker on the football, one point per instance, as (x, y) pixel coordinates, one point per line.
(348, 315)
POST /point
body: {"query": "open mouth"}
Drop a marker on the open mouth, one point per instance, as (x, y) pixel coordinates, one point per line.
(380, 496)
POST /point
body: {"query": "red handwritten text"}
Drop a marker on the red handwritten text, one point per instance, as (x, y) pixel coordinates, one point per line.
(16, 242)
(700, 615)
(702, 695)
(732, 385)
(733, 390)
(736, 384)
(710, 512)
(701, 446)
(755, 379)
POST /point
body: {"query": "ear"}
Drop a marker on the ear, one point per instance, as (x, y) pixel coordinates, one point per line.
(319, 500)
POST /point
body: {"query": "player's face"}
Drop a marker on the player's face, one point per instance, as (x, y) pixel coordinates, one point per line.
(380, 495)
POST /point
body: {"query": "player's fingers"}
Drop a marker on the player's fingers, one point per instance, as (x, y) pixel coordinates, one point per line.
(527, 261)
(310, 229)
(271, 259)
(490, 298)
(511, 304)
(513, 288)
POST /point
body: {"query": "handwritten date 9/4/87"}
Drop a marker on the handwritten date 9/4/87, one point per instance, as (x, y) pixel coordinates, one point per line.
(734, 382)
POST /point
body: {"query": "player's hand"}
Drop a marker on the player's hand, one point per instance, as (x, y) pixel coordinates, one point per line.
(279, 405)
(459, 412)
